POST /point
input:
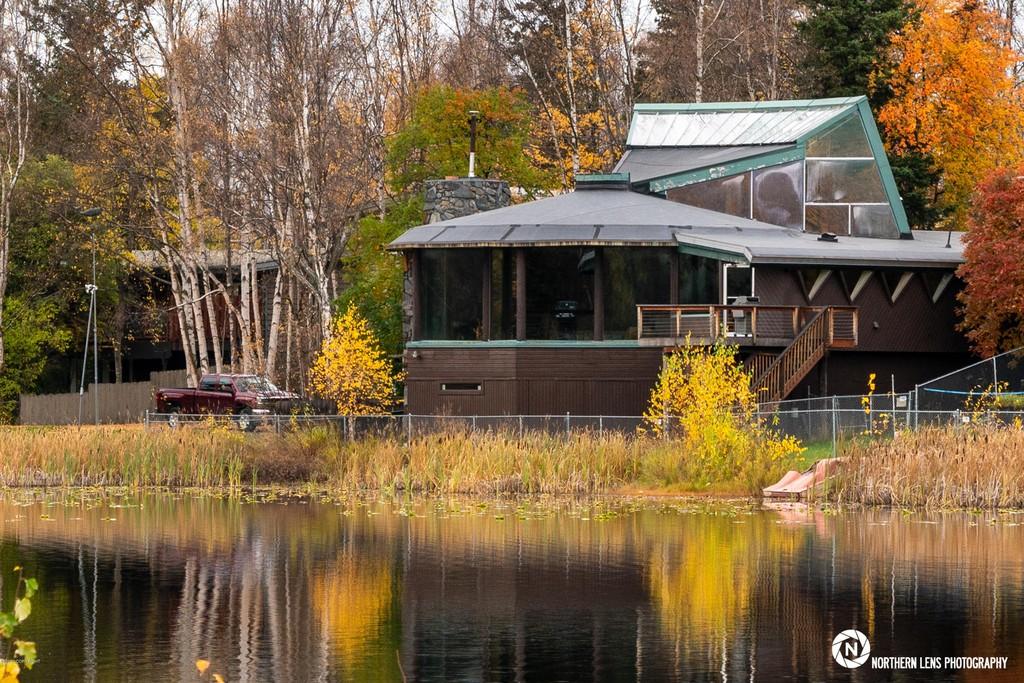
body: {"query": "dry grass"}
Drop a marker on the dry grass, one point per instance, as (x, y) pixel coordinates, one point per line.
(454, 462)
(967, 467)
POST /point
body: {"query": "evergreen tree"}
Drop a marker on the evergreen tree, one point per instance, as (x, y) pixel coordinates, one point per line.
(847, 53)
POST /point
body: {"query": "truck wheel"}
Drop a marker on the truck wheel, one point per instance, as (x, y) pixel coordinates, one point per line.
(172, 417)
(246, 421)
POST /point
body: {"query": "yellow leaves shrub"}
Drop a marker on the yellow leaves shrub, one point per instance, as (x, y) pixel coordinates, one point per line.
(703, 401)
(352, 370)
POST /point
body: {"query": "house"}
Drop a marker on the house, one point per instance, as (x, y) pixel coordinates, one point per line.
(776, 226)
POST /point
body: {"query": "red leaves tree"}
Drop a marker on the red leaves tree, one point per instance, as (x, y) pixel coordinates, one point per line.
(993, 296)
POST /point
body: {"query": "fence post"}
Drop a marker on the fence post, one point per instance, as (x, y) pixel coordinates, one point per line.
(834, 417)
(474, 423)
(600, 425)
(520, 426)
(145, 420)
(917, 405)
(567, 425)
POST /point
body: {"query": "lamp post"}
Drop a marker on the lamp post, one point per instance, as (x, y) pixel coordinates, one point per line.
(91, 327)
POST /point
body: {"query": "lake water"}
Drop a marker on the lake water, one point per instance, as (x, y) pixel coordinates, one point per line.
(138, 588)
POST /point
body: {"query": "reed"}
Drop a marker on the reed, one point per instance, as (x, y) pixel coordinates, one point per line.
(972, 467)
(449, 462)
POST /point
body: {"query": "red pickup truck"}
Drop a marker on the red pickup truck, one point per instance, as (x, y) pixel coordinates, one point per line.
(246, 396)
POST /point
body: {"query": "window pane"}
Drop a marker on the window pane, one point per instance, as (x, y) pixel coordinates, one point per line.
(729, 195)
(778, 192)
(503, 294)
(844, 181)
(739, 282)
(834, 219)
(631, 277)
(560, 293)
(698, 280)
(874, 221)
(845, 140)
(451, 293)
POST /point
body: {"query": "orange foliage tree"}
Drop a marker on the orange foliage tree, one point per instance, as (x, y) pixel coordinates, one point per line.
(993, 293)
(954, 97)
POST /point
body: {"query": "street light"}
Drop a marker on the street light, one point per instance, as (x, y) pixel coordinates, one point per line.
(91, 326)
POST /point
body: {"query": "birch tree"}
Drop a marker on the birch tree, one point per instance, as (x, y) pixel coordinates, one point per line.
(17, 44)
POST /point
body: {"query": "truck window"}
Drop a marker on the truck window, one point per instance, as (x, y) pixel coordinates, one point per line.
(208, 384)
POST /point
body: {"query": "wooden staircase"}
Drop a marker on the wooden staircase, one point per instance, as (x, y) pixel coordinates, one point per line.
(774, 380)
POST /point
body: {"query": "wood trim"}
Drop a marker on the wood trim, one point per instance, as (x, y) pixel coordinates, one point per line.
(905, 279)
(862, 281)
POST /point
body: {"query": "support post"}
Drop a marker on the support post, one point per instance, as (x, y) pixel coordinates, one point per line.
(834, 425)
(598, 294)
(520, 294)
(485, 314)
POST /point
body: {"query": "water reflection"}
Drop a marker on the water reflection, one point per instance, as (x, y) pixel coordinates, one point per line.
(293, 589)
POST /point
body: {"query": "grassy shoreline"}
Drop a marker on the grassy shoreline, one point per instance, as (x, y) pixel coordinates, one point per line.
(454, 462)
(974, 467)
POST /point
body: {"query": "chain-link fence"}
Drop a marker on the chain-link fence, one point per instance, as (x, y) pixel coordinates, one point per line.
(996, 382)
(406, 426)
(989, 391)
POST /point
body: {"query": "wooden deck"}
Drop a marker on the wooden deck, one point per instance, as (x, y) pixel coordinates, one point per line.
(671, 325)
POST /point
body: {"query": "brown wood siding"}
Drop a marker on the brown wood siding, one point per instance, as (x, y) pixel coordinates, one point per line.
(913, 323)
(532, 381)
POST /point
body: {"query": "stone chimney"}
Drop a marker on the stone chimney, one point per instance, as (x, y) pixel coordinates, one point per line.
(455, 197)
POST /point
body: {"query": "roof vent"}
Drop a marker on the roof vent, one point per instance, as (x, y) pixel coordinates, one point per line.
(602, 181)
(828, 237)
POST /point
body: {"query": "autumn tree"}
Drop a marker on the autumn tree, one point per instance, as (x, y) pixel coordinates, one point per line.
(715, 50)
(18, 44)
(704, 398)
(352, 370)
(434, 143)
(576, 60)
(993, 272)
(954, 98)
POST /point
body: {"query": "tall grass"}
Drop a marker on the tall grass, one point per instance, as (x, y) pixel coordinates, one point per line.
(980, 466)
(452, 462)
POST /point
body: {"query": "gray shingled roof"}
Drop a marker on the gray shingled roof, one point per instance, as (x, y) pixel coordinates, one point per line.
(583, 217)
(646, 163)
(785, 246)
(618, 217)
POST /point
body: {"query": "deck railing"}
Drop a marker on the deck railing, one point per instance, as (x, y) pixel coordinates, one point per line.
(754, 325)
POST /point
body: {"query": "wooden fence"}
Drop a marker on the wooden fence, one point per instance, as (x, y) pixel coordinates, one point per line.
(119, 403)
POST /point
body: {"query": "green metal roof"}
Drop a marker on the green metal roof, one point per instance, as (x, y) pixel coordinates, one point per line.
(732, 123)
(752, 124)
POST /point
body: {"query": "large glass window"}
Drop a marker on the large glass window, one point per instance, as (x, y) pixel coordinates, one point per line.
(778, 195)
(845, 194)
(845, 140)
(873, 221)
(850, 181)
(632, 277)
(729, 195)
(833, 218)
(698, 280)
(451, 293)
(560, 293)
